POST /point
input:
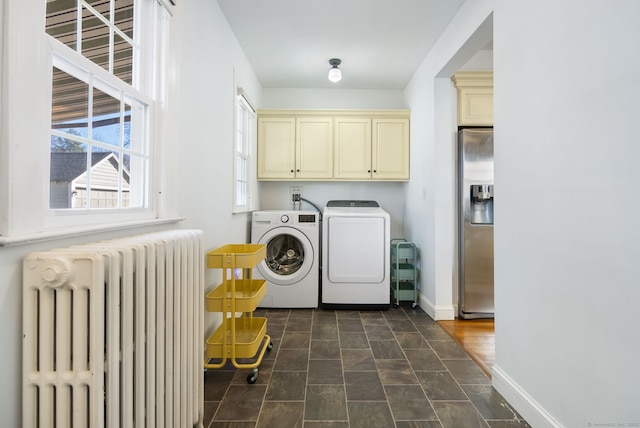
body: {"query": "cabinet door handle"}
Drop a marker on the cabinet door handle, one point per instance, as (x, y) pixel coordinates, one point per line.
(369, 171)
(375, 171)
(291, 170)
(297, 170)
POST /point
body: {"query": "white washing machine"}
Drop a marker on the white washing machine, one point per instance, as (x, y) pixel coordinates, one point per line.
(292, 264)
(355, 254)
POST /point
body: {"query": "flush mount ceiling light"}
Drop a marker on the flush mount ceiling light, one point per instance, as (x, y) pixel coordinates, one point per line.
(334, 72)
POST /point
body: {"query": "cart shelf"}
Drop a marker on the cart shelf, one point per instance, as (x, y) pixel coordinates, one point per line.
(236, 256)
(402, 249)
(249, 333)
(404, 271)
(248, 293)
(405, 291)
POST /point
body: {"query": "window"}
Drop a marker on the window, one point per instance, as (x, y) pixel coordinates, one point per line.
(90, 90)
(93, 156)
(245, 146)
(103, 54)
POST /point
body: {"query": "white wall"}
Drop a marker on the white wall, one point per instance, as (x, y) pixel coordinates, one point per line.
(196, 181)
(430, 216)
(203, 178)
(292, 98)
(390, 195)
(567, 239)
(481, 61)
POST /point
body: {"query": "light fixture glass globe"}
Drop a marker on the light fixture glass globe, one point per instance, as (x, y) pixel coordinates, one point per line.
(335, 74)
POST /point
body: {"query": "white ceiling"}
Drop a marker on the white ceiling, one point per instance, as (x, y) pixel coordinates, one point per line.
(380, 42)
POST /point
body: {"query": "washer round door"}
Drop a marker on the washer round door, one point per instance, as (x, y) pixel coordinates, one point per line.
(289, 256)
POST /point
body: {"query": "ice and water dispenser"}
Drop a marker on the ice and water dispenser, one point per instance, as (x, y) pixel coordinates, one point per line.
(481, 204)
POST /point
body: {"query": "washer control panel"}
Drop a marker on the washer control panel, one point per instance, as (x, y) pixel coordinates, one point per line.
(306, 218)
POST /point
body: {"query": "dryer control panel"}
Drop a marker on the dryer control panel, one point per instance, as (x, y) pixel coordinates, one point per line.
(353, 204)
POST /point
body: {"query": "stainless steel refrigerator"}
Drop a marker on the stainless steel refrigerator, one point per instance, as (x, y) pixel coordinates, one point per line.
(475, 221)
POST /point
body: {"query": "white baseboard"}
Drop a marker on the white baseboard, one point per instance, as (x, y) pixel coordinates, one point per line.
(442, 312)
(522, 402)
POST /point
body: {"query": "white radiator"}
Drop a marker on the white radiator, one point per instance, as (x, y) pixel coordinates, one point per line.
(113, 333)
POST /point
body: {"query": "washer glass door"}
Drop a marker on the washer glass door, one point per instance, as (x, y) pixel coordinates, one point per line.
(289, 256)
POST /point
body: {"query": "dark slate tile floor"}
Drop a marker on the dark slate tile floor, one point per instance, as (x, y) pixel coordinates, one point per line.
(352, 369)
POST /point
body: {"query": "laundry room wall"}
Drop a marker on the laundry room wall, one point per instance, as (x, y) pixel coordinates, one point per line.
(200, 178)
(276, 195)
(567, 244)
(339, 99)
(432, 99)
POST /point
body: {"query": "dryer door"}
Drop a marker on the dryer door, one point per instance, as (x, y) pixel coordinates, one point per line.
(356, 249)
(289, 256)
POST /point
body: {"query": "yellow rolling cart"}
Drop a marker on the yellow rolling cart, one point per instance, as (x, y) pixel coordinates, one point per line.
(241, 336)
(404, 275)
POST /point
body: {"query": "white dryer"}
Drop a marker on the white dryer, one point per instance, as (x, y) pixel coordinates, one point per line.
(355, 254)
(292, 264)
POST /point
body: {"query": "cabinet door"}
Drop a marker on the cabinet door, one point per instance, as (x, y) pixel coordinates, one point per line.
(276, 148)
(352, 158)
(390, 149)
(475, 106)
(314, 147)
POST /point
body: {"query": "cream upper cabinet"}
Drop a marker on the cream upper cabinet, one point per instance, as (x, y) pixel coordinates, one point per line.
(352, 148)
(314, 147)
(276, 147)
(376, 149)
(475, 97)
(333, 145)
(295, 148)
(390, 149)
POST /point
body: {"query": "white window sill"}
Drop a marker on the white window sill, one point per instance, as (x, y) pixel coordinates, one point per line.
(6, 241)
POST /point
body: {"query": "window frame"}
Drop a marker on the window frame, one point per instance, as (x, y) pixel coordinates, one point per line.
(249, 129)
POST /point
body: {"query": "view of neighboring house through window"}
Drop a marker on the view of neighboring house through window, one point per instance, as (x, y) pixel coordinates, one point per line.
(100, 114)
(245, 145)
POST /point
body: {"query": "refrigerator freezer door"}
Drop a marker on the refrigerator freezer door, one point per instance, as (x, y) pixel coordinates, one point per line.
(477, 285)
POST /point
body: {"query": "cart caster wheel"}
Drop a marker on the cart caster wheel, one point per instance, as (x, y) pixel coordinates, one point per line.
(251, 379)
(395, 305)
(270, 346)
(413, 305)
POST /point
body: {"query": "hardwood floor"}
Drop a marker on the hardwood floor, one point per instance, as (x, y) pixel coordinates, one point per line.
(477, 338)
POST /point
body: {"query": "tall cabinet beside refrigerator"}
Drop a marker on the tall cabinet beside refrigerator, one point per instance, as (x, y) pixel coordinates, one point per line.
(475, 221)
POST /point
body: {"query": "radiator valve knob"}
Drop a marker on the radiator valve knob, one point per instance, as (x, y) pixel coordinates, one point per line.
(55, 272)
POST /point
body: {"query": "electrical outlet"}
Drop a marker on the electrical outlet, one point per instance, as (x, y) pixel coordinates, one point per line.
(296, 193)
